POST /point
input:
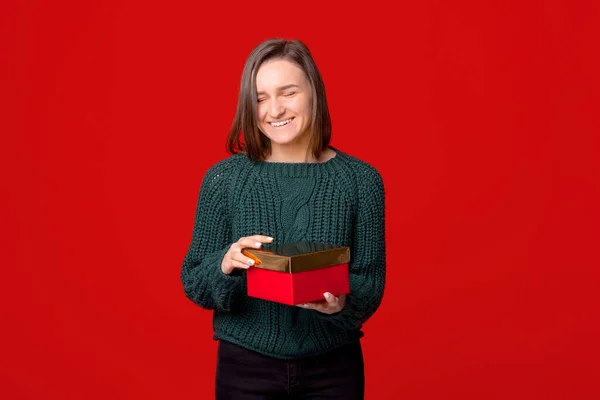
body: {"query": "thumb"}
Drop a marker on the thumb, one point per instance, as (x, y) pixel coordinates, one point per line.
(331, 299)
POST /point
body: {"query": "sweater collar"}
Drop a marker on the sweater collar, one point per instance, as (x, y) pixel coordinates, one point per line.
(301, 169)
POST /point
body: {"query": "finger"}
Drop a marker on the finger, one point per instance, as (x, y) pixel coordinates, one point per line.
(331, 299)
(239, 264)
(322, 307)
(260, 238)
(241, 258)
(248, 242)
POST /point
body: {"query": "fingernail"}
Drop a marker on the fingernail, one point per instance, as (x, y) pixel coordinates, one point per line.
(255, 260)
(250, 262)
(327, 295)
(269, 239)
(258, 244)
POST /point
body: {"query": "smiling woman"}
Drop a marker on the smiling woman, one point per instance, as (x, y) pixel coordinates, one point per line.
(281, 87)
(284, 104)
(285, 184)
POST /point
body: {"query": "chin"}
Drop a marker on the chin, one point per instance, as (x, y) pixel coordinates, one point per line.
(283, 140)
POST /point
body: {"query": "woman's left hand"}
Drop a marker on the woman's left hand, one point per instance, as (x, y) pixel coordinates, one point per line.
(330, 305)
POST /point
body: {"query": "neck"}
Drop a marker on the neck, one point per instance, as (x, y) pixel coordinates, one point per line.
(294, 153)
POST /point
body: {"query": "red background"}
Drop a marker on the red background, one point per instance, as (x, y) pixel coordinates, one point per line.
(481, 117)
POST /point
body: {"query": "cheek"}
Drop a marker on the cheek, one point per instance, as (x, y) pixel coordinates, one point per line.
(261, 113)
(307, 107)
(302, 108)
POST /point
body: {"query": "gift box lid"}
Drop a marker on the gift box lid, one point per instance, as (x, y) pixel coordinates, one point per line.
(298, 256)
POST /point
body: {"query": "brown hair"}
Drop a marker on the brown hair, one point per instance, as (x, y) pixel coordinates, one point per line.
(244, 135)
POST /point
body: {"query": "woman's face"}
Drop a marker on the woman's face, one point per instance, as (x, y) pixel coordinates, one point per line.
(284, 102)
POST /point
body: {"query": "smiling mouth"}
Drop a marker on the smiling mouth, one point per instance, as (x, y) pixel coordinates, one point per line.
(281, 123)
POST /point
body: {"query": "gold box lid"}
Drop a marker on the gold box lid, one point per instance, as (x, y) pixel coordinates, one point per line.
(298, 256)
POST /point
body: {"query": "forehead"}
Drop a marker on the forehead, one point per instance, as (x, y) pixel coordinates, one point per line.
(276, 73)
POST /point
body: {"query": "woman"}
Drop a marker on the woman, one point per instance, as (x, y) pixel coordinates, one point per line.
(285, 183)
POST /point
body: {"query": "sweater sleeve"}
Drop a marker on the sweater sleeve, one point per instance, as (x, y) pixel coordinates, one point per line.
(367, 254)
(204, 282)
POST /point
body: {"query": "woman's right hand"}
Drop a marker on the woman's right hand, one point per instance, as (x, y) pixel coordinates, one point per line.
(234, 259)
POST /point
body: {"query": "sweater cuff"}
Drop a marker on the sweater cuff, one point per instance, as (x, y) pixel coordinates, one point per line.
(226, 287)
(348, 318)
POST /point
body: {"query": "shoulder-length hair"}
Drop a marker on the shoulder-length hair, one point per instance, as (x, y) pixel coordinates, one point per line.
(245, 135)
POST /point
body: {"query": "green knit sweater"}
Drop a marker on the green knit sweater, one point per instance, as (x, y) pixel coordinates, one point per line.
(340, 201)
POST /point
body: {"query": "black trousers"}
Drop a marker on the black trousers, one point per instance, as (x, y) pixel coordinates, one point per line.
(246, 375)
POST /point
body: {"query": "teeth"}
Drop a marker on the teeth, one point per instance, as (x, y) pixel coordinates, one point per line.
(287, 121)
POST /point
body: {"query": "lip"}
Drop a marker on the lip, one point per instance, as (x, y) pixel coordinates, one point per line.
(279, 127)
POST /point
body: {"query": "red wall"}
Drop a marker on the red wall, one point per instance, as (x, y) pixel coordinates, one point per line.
(479, 115)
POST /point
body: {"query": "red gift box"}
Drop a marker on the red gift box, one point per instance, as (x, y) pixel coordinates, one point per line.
(300, 272)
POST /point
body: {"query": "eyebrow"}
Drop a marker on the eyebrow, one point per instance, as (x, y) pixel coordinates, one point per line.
(281, 88)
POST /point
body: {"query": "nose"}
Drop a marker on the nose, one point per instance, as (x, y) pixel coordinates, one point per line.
(276, 109)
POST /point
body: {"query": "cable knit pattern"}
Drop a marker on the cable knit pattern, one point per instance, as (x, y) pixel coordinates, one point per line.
(340, 201)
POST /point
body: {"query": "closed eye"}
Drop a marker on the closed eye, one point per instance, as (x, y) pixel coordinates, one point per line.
(289, 94)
